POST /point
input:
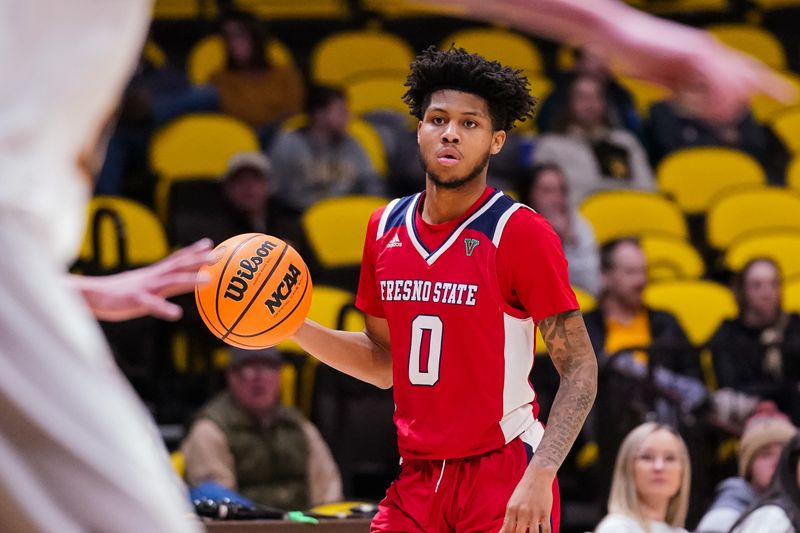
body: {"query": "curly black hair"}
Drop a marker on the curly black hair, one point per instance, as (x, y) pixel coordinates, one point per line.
(506, 91)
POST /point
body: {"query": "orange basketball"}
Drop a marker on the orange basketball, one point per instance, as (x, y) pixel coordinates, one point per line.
(259, 293)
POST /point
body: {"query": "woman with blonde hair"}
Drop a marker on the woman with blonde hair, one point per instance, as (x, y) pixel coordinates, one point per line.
(650, 488)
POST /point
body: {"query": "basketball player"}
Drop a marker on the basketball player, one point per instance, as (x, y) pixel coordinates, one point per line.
(457, 277)
(78, 450)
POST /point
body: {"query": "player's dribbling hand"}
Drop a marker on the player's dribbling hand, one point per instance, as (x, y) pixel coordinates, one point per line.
(144, 291)
(529, 507)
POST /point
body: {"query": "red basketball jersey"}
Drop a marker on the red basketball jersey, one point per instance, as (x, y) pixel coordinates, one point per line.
(461, 320)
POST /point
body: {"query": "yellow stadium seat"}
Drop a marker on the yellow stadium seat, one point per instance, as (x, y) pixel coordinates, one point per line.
(183, 9)
(793, 174)
(586, 302)
(208, 56)
(336, 228)
(178, 462)
(739, 212)
(769, 5)
(764, 107)
(509, 48)
(645, 94)
(752, 40)
(671, 258)
(393, 9)
(786, 125)
(345, 55)
(565, 57)
(782, 246)
(791, 295)
(381, 92)
(615, 214)
(307, 9)
(121, 233)
(154, 54)
(196, 146)
(369, 139)
(695, 176)
(699, 305)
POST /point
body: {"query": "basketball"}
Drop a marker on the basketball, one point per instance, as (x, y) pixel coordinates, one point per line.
(259, 291)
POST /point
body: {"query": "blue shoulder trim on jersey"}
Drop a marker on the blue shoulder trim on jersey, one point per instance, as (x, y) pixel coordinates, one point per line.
(398, 215)
(487, 222)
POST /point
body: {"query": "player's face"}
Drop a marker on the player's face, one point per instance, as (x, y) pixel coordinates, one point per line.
(456, 138)
(762, 290)
(255, 386)
(658, 468)
(628, 276)
(763, 465)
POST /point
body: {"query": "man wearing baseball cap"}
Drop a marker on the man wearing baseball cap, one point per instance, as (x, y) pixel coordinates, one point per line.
(246, 441)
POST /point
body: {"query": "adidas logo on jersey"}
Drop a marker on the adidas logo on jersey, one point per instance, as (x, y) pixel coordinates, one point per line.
(395, 242)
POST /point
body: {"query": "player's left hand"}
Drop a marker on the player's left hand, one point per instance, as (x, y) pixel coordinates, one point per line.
(144, 291)
(529, 507)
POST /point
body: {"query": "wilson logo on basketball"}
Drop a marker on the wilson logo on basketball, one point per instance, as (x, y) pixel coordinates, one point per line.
(282, 292)
(237, 286)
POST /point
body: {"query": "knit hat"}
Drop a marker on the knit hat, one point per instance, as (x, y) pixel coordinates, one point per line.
(762, 431)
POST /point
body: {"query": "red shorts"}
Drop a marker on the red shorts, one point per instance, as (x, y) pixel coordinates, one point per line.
(457, 495)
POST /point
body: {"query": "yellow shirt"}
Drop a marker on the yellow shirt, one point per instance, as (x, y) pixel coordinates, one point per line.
(260, 97)
(633, 334)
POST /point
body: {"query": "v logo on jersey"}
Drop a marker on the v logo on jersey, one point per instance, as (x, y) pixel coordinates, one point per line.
(395, 242)
(470, 244)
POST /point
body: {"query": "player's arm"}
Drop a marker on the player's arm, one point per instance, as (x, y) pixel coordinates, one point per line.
(572, 354)
(365, 355)
(641, 45)
(144, 291)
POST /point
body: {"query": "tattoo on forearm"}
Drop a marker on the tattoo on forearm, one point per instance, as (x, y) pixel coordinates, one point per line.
(572, 355)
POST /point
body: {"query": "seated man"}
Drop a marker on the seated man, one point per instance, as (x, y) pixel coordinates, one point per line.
(241, 201)
(244, 440)
(647, 364)
(321, 159)
(622, 321)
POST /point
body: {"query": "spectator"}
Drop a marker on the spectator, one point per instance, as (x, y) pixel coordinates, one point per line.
(647, 364)
(619, 101)
(758, 352)
(244, 203)
(650, 489)
(759, 449)
(778, 509)
(593, 154)
(322, 160)
(245, 441)
(546, 191)
(250, 87)
(622, 321)
(677, 123)
(125, 171)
